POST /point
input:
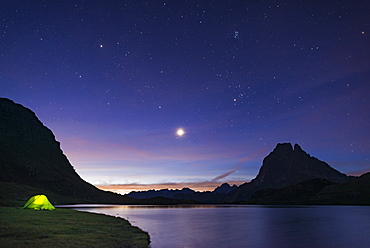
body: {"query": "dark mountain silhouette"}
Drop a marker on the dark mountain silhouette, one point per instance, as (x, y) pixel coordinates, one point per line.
(224, 188)
(286, 166)
(186, 194)
(300, 193)
(32, 162)
(167, 193)
(355, 191)
(30, 155)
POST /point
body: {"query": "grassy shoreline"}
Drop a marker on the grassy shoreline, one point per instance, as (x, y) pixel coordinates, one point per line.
(67, 228)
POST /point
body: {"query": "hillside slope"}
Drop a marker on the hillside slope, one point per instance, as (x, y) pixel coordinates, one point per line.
(30, 155)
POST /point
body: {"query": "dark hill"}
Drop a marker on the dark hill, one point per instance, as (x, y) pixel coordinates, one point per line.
(286, 166)
(355, 191)
(30, 155)
(301, 193)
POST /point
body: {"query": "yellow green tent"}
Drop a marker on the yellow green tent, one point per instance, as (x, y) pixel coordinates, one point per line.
(39, 202)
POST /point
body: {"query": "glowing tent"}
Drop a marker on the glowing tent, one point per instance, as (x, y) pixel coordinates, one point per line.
(39, 202)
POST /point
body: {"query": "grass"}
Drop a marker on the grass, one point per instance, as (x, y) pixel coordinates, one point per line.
(66, 228)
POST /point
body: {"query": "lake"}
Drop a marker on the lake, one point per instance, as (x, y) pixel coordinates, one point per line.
(221, 226)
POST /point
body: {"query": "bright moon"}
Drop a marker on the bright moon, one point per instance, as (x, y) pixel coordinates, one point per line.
(180, 132)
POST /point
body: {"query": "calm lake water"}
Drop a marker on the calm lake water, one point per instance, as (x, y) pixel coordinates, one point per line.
(220, 226)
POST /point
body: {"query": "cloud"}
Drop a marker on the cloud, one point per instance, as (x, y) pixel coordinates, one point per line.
(237, 166)
(224, 175)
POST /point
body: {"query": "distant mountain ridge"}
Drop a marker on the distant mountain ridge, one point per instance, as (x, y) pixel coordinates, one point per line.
(184, 193)
(168, 193)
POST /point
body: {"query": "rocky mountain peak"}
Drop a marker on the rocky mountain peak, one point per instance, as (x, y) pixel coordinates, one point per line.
(298, 148)
(283, 148)
(287, 165)
(224, 188)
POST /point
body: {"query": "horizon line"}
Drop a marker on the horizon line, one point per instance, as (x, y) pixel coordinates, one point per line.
(196, 186)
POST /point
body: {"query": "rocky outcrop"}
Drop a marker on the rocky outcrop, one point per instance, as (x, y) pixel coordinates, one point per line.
(29, 151)
(286, 166)
(224, 188)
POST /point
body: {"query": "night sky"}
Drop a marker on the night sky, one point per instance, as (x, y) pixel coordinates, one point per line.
(115, 80)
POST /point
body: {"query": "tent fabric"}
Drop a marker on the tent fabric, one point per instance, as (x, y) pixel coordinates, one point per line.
(39, 202)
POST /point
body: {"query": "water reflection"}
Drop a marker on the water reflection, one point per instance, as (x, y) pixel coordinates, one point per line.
(247, 226)
(79, 206)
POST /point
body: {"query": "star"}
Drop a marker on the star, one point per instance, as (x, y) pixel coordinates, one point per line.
(180, 132)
